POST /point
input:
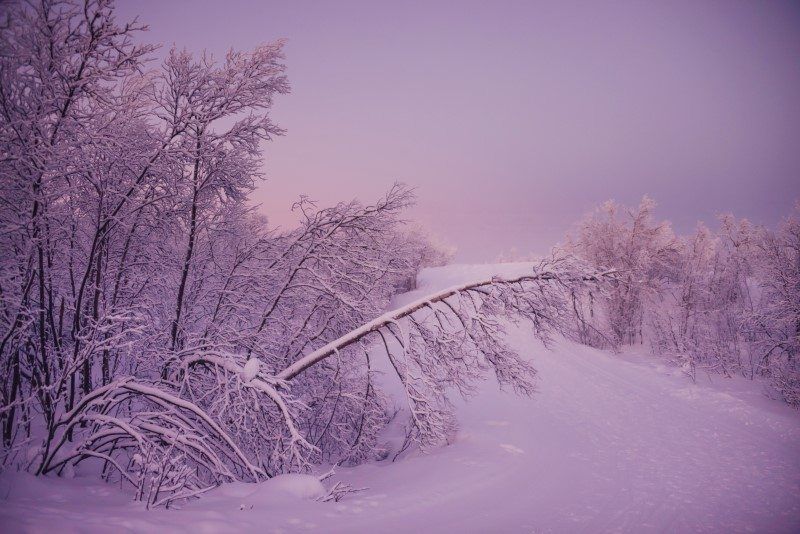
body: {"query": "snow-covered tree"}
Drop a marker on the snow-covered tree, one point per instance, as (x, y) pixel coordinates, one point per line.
(724, 301)
(151, 321)
(776, 320)
(643, 252)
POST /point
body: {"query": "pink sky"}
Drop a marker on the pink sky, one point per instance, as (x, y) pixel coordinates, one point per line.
(514, 119)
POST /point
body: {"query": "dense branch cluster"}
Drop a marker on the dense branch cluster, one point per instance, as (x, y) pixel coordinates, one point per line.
(155, 327)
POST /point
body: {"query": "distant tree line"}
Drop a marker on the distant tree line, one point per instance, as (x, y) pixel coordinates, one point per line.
(726, 301)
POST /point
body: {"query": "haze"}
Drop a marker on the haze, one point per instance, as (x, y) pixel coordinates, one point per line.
(514, 119)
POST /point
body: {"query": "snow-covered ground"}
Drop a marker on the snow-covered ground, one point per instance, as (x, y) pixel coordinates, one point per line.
(610, 442)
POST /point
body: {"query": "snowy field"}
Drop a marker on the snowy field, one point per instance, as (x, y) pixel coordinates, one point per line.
(610, 443)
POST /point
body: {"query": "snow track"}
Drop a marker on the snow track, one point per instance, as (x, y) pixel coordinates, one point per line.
(606, 445)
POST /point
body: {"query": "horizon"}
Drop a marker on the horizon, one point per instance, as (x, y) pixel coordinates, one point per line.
(512, 122)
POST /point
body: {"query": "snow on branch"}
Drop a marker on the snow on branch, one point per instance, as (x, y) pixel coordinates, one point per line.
(535, 279)
(452, 338)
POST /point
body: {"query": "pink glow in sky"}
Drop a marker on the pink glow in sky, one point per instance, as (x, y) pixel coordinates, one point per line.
(514, 119)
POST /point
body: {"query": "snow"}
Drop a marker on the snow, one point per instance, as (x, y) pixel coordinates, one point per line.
(250, 370)
(438, 278)
(610, 442)
(285, 489)
(295, 485)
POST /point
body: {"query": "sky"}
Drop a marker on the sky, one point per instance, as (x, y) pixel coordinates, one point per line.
(514, 119)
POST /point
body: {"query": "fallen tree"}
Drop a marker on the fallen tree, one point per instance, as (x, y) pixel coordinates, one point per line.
(170, 448)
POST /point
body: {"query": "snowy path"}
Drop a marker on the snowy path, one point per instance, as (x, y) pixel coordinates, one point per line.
(608, 444)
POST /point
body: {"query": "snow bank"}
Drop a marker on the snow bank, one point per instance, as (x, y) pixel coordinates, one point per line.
(292, 485)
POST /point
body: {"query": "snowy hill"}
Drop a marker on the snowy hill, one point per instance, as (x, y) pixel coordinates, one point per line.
(609, 443)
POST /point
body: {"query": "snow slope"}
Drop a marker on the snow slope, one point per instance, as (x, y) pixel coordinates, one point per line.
(610, 443)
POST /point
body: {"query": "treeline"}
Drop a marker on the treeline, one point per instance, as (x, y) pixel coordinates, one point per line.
(726, 301)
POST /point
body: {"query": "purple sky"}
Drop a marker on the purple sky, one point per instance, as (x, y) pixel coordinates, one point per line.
(514, 119)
